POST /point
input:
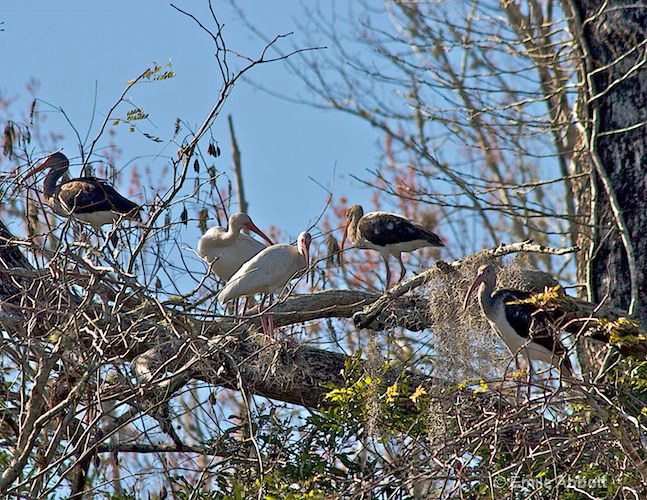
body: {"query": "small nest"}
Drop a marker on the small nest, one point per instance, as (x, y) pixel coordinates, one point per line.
(278, 360)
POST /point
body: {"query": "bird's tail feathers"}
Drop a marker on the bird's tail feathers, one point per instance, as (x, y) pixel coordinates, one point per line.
(434, 239)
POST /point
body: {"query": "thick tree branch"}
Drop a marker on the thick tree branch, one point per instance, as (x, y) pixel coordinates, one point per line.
(224, 353)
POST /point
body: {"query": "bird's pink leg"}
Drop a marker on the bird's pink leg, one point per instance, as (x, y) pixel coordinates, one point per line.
(260, 312)
(270, 321)
(245, 305)
(270, 317)
(236, 303)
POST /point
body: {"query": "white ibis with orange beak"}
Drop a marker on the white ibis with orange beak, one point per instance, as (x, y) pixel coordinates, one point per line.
(524, 328)
(226, 250)
(87, 199)
(388, 233)
(268, 272)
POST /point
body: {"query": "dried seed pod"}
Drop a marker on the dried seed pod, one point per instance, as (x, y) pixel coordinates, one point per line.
(202, 220)
(9, 140)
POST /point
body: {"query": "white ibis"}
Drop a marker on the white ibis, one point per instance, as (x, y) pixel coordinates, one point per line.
(268, 272)
(88, 199)
(524, 328)
(227, 250)
(388, 233)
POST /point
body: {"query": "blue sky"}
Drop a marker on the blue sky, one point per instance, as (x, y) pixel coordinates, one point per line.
(71, 48)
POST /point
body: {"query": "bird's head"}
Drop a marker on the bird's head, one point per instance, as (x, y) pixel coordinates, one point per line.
(354, 211)
(240, 220)
(353, 214)
(485, 274)
(57, 162)
(303, 244)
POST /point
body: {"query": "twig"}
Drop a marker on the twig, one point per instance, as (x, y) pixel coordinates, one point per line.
(107, 118)
(238, 173)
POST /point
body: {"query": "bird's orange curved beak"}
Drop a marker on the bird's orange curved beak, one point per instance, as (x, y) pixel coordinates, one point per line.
(252, 227)
(305, 251)
(35, 170)
(52, 160)
(343, 243)
(306, 254)
(479, 279)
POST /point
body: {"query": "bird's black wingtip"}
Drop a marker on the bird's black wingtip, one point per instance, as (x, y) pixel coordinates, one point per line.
(435, 240)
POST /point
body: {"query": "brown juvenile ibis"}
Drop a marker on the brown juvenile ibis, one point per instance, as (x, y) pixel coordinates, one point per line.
(268, 272)
(524, 328)
(388, 233)
(88, 199)
(227, 249)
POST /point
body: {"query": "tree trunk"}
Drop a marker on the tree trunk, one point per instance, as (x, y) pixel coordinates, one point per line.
(612, 116)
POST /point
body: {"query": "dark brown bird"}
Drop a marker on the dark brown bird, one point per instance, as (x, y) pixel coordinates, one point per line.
(524, 328)
(88, 199)
(388, 233)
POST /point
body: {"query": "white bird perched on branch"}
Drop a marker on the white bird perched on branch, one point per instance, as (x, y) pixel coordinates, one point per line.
(268, 272)
(226, 250)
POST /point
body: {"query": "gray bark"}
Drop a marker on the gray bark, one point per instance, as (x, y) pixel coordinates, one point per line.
(613, 116)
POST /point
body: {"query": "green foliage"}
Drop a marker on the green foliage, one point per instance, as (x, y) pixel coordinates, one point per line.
(550, 299)
(631, 387)
(300, 461)
(321, 456)
(157, 72)
(621, 332)
(633, 373)
(133, 116)
(367, 402)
